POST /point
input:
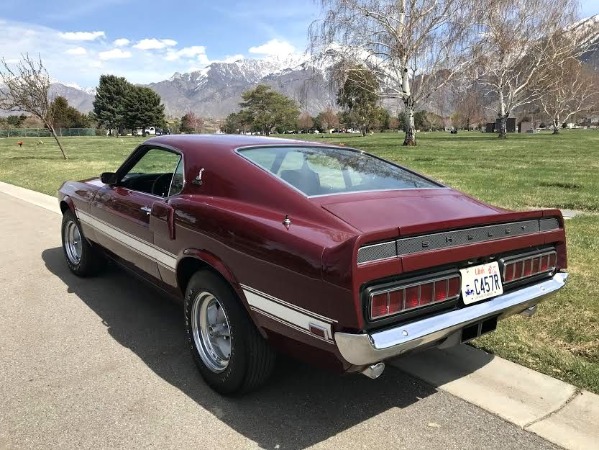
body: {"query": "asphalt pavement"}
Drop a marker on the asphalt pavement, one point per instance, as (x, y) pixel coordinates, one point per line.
(102, 363)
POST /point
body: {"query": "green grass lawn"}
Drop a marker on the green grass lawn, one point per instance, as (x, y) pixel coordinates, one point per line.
(527, 171)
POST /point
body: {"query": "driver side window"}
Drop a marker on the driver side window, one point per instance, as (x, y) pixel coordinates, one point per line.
(153, 173)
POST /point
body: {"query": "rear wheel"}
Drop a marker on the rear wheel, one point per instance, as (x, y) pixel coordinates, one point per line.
(82, 259)
(229, 351)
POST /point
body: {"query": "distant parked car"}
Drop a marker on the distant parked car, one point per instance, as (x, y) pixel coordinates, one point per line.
(322, 252)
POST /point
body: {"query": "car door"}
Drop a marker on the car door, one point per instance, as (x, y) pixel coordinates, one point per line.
(123, 211)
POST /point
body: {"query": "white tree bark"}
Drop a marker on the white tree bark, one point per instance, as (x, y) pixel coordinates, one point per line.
(414, 46)
(519, 41)
(571, 88)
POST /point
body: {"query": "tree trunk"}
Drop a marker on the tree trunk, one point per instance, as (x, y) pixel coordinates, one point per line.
(556, 125)
(503, 115)
(503, 126)
(410, 138)
(53, 131)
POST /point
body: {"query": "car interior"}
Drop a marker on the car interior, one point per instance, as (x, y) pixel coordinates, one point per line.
(157, 172)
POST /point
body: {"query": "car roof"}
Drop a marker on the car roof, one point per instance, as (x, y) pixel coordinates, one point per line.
(191, 142)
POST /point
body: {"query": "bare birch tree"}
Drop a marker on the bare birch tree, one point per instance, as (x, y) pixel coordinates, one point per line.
(520, 40)
(572, 88)
(26, 88)
(414, 46)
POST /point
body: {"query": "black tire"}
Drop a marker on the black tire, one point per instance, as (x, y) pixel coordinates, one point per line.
(82, 258)
(249, 361)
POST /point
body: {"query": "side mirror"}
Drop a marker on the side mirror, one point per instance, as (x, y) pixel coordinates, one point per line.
(109, 178)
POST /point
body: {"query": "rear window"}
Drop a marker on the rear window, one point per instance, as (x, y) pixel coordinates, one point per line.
(323, 171)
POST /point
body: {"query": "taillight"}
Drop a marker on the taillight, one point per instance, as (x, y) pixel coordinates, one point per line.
(395, 302)
(529, 266)
(414, 295)
(379, 305)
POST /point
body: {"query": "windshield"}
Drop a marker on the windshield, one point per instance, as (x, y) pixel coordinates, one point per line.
(323, 171)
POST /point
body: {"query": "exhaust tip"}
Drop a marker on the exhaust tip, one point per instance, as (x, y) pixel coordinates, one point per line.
(374, 371)
(529, 312)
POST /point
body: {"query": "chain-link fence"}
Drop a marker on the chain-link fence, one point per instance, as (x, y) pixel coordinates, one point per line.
(44, 132)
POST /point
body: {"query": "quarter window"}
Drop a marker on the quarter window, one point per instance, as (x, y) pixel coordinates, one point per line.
(158, 172)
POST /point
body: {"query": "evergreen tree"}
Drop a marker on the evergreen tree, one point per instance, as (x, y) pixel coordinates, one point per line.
(142, 108)
(268, 109)
(109, 104)
(359, 95)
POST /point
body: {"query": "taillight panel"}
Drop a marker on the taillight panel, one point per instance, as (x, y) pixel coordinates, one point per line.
(521, 267)
(405, 297)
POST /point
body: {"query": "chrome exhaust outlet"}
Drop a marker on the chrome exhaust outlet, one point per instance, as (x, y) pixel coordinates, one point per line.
(529, 312)
(374, 371)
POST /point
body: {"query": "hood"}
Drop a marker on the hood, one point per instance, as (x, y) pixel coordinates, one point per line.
(406, 209)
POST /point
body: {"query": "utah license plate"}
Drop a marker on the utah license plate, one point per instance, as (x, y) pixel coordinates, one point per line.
(481, 282)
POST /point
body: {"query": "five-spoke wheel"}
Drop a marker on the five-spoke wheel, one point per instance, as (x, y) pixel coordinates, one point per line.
(211, 335)
(229, 351)
(81, 257)
(72, 242)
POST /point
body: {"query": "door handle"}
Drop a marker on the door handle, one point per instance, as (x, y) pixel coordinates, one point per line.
(146, 209)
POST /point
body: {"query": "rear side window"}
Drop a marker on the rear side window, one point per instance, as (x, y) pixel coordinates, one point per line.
(323, 171)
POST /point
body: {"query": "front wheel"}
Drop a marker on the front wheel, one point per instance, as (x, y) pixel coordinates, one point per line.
(226, 346)
(82, 259)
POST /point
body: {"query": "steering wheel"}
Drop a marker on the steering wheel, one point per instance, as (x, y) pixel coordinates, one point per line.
(161, 184)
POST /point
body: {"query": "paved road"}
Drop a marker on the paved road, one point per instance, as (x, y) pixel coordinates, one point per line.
(102, 363)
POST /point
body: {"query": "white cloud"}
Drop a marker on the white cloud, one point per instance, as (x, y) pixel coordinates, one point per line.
(155, 44)
(196, 52)
(274, 47)
(76, 51)
(122, 42)
(82, 35)
(115, 53)
(69, 61)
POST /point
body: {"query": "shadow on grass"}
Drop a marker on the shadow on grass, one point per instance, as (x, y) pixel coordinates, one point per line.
(23, 158)
(299, 407)
(481, 137)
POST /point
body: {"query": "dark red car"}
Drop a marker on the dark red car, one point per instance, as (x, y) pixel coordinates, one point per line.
(325, 253)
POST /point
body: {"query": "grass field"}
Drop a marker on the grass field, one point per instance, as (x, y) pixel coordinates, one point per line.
(527, 171)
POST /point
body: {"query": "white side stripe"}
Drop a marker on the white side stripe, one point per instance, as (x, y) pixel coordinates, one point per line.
(289, 315)
(166, 259)
(275, 309)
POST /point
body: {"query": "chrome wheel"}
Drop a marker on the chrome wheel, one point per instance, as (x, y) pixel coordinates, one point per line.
(72, 242)
(210, 330)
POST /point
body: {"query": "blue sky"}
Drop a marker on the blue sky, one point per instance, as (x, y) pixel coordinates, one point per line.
(147, 41)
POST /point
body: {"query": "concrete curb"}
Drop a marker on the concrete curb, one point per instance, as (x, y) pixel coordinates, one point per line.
(552, 409)
(42, 200)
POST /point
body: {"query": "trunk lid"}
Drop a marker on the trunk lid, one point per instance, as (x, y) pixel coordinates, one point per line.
(408, 209)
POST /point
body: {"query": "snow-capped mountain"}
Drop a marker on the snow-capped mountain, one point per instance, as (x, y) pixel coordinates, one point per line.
(79, 98)
(216, 90)
(590, 28)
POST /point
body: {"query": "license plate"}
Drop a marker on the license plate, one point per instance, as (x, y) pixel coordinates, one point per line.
(481, 282)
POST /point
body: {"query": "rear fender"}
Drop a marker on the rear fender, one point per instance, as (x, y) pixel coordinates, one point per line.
(207, 260)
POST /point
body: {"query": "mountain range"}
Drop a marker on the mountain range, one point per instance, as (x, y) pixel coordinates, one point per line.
(215, 91)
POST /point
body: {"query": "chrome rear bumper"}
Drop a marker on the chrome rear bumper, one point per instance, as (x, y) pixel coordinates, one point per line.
(364, 349)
